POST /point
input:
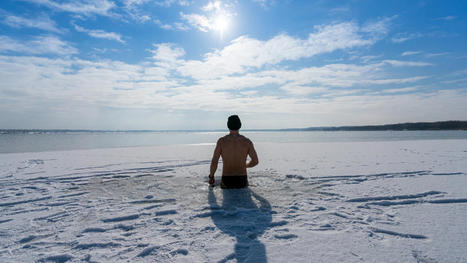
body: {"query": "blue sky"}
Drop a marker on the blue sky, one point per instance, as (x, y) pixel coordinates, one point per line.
(180, 64)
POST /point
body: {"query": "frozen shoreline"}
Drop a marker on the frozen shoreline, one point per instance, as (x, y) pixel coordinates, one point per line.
(400, 201)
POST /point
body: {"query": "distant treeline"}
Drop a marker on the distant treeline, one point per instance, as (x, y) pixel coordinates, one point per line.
(412, 126)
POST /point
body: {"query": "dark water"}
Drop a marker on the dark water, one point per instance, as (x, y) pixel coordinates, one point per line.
(37, 141)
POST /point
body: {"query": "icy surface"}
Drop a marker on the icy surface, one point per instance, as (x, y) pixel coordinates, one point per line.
(403, 201)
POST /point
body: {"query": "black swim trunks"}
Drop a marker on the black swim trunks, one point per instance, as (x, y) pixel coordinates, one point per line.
(234, 181)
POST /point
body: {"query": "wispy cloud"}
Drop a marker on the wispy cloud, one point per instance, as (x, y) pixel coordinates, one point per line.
(38, 45)
(235, 67)
(168, 3)
(177, 26)
(403, 37)
(216, 15)
(43, 23)
(304, 90)
(140, 11)
(211, 6)
(83, 7)
(340, 10)
(339, 76)
(72, 82)
(366, 59)
(430, 55)
(446, 18)
(400, 90)
(246, 75)
(200, 22)
(100, 34)
(455, 81)
(167, 53)
(239, 65)
(131, 3)
(244, 53)
(410, 53)
(265, 3)
(458, 77)
(379, 27)
(399, 63)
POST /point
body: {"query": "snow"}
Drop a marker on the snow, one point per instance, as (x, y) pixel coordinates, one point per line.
(400, 201)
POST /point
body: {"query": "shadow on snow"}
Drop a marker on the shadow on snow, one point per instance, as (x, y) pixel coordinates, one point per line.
(241, 217)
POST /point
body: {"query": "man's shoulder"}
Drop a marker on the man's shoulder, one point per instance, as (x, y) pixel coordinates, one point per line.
(226, 137)
(246, 139)
(223, 139)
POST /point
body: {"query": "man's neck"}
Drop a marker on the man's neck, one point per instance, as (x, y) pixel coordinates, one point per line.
(234, 133)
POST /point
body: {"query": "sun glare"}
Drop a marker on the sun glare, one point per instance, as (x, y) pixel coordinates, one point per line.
(221, 23)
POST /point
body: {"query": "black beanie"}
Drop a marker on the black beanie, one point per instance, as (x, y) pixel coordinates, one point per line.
(234, 123)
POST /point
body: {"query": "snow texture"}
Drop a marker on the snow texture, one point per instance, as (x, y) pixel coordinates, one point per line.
(403, 201)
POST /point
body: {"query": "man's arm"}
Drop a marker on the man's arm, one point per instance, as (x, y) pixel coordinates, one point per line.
(215, 161)
(254, 157)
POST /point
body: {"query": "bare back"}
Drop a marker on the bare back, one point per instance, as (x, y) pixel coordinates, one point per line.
(234, 150)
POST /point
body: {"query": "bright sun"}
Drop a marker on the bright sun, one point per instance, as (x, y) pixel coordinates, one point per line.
(221, 23)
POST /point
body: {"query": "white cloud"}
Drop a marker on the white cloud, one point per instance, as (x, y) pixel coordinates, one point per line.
(245, 53)
(396, 80)
(140, 11)
(366, 59)
(198, 21)
(216, 17)
(403, 37)
(400, 39)
(338, 76)
(38, 45)
(84, 7)
(174, 26)
(247, 75)
(100, 34)
(304, 90)
(43, 23)
(216, 71)
(168, 3)
(138, 16)
(430, 55)
(234, 66)
(249, 93)
(408, 89)
(167, 53)
(456, 81)
(379, 27)
(130, 3)
(398, 63)
(214, 5)
(70, 84)
(410, 53)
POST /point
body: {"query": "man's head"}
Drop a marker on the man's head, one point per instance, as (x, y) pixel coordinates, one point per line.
(234, 123)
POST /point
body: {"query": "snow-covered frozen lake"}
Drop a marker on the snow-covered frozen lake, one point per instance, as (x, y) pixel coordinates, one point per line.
(392, 201)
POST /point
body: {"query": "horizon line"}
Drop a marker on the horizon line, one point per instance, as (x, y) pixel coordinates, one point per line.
(219, 130)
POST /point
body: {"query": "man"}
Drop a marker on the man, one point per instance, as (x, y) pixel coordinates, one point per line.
(234, 149)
